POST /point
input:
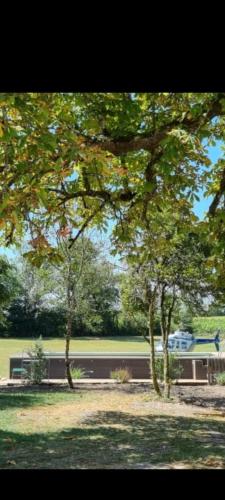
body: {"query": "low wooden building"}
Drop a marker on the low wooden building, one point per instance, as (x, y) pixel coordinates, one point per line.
(195, 366)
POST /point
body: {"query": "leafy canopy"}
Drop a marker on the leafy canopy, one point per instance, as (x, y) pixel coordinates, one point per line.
(77, 159)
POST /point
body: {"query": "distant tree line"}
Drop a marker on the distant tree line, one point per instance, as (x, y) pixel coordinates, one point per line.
(32, 300)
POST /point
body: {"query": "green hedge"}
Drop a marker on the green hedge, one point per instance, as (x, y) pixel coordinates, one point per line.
(208, 325)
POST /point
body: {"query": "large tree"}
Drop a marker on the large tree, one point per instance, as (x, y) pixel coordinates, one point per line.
(76, 159)
(119, 153)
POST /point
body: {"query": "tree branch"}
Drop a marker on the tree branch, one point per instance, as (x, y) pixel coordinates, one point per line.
(218, 196)
(85, 224)
(122, 195)
(150, 142)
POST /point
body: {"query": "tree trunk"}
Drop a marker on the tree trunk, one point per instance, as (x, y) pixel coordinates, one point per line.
(152, 348)
(165, 332)
(70, 307)
(166, 367)
(166, 374)
(67, 350)
(165, 328)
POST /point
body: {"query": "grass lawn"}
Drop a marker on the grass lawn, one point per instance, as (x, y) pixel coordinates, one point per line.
(9, 347)
(205, 348)
(119, 428)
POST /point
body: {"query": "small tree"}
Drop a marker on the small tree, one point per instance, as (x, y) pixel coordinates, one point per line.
(37, 369)
(74, 267)
(169, 255)
(174, 369)
(182, 274)
(139, 292)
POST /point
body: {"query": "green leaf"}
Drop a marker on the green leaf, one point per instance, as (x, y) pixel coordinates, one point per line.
(44, 196)
(49, 140)
(147, 187)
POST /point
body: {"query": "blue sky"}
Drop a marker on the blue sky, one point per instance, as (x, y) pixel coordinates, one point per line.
(200, 207)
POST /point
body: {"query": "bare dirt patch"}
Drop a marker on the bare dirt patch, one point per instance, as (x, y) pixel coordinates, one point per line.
(208, 396)
(187, 401)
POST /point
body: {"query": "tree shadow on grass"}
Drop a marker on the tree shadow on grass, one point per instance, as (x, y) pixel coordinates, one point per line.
(117, 440)
(13, 400)
(33, 389)
(30, 392)
(26, 397)
(205, 401)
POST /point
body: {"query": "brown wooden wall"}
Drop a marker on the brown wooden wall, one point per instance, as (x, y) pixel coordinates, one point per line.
(215, 365)
(100, 368)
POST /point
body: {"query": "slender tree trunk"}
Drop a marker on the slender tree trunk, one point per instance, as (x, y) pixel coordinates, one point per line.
(67, 349)
(166, 364)
(70, 307)
(166, 371)
(152, 347)
(165, 328)
(168, 329)
(164, 331)
(71, 277)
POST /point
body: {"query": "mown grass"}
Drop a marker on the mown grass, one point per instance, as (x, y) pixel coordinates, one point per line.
(107, 437)
(204, 348)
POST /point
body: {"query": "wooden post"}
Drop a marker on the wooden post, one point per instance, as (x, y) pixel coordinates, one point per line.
(209, 372)
(194, 369)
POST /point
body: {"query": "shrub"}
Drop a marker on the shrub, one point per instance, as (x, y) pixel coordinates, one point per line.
(175, 368)
(77, 373)
(122, 375)
(220, 378)
(38, 366)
